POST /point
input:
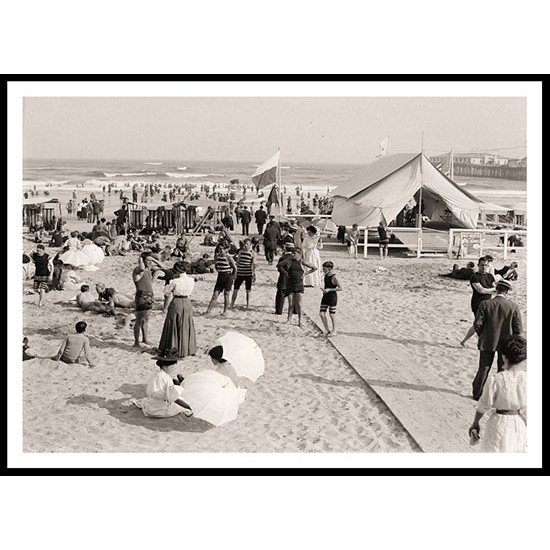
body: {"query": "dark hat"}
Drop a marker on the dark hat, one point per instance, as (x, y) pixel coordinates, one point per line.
(180, 267)
(312, 229)
(165, 357)
(503, 283)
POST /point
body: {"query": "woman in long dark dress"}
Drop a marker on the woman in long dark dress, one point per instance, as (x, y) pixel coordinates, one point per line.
(178, 332)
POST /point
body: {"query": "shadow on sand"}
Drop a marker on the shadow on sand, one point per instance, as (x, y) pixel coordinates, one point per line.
(320, 380)
(130, 414)
(404, 341)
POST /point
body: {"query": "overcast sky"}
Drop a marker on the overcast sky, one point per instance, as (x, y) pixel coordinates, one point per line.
(307, 129)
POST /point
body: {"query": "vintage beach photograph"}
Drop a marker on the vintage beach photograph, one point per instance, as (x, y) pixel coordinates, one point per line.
(277, 276)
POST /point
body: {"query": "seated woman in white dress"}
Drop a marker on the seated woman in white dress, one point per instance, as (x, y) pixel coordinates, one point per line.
(163, 392)
(506, 393)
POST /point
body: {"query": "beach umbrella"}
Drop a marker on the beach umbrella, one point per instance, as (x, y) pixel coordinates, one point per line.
(212, 396)
(94, 252)
(326, 225)
(76, 258)
(244, 354)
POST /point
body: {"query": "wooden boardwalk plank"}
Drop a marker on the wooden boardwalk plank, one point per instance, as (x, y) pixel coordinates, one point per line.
(437, 418)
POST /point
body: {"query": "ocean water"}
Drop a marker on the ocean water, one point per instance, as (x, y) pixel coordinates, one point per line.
(315, 178)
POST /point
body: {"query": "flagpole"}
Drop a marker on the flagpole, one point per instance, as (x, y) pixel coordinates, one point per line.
(419, 222)
(279, 184)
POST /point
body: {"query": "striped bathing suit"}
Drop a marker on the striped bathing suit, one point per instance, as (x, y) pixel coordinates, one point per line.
(224, 282)
(244, 269)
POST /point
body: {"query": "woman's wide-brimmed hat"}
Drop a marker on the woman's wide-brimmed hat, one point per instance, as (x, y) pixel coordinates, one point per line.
(166, 356)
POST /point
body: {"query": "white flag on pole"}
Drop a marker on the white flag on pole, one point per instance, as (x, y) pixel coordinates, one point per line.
(267, 172)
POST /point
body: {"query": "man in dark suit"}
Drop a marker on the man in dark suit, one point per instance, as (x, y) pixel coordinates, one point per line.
(495, 318)
(272, 235)
(245, 219)
(261, 217)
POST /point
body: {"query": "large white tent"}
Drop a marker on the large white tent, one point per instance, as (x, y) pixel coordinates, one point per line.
(387, 185)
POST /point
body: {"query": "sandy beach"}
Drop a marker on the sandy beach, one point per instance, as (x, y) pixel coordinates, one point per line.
(310, 398)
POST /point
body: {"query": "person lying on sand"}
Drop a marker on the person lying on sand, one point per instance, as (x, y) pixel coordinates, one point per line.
(463, 273)
(113, 298)
(86, 301)
(508, 272)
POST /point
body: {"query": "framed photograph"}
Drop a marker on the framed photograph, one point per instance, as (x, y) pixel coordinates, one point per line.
(178, 312)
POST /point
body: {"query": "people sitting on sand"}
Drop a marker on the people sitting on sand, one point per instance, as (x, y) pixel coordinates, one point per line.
(203, 265)
(136, 242)
(210, 239)
(56, 239)
(86, 301)
(68, 279)
(73, 242)
(180, 250)
(75, 347)
(58, 266)
(26, 354)
(507, 272)
(462, 273)
(163, 394)
(166, 254)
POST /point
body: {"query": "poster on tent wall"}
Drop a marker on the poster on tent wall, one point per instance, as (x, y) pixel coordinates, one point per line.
(470, 245)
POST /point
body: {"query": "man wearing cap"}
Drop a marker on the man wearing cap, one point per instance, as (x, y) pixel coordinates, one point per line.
(495, 318)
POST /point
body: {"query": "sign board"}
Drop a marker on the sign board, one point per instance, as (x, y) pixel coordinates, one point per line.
(469, 245)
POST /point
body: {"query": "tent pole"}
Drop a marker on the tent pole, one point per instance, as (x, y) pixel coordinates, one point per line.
(452, 166)
(279, 184)
(419, 222)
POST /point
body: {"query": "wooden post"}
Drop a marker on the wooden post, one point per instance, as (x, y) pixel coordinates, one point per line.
(505, 244)
(450, 245)
(365, 241)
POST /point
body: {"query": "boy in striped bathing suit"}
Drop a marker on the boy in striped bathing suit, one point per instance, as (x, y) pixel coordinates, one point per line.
(246, 272)
(226, 268)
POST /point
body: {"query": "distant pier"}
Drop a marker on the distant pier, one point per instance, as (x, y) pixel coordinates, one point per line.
(490, 171)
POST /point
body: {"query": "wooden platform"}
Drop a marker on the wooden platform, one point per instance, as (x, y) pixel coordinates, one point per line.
(436, 417)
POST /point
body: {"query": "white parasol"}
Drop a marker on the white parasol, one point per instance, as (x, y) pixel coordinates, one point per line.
(94, 252)
(244, 354)
(76, 258)
(325, 225)
(212, 396)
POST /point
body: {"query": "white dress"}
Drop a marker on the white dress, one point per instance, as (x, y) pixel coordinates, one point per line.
(507, 390)
(311, 256)
(161, 396)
